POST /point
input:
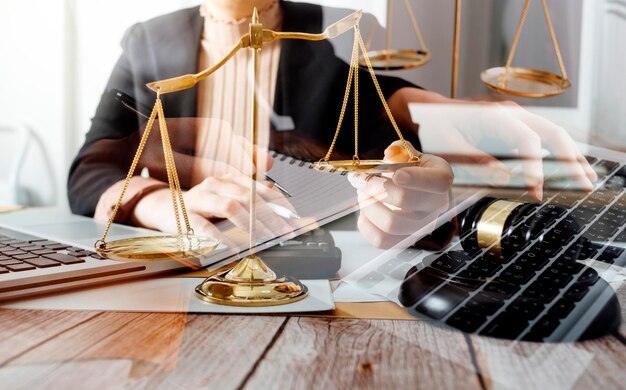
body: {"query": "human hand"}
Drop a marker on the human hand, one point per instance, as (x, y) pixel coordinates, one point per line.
(475, 132)
(216, 199)
(394, 207)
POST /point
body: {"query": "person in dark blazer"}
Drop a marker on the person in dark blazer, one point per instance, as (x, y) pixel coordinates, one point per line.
(303, 81)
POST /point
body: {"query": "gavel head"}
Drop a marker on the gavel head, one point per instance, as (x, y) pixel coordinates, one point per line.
(504, 227)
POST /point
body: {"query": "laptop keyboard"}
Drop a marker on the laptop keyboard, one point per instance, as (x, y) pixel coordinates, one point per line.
(26, 255)
(530, 294)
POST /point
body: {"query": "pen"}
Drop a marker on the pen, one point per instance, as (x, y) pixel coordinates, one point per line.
(282, 211)
(280, 188)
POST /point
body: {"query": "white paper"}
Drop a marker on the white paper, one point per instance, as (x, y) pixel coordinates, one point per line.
(166, 295)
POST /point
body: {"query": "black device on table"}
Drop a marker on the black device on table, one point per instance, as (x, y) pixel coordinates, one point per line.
(532, 287)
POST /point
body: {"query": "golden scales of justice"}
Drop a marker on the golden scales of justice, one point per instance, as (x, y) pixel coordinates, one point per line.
(396, 59)
(250, 282)
(526, 82)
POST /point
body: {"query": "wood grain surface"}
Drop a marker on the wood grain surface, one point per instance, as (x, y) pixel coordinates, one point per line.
(365, 354)
(60, 349)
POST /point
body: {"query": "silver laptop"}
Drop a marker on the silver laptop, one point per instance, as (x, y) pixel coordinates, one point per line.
(45, 250)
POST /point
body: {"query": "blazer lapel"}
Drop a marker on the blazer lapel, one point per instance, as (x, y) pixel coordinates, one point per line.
(178, 45)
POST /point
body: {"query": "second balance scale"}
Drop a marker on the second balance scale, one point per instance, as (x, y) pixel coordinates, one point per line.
(250, 282)
(526, 82)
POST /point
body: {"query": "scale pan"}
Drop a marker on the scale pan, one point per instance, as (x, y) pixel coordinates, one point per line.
(524, 82)
(158, 248)
(364, 166)
(396, 59)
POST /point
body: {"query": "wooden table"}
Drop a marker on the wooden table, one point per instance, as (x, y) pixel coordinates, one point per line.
(60, 349)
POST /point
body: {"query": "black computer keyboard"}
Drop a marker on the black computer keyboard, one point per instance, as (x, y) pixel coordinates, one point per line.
(540, 292)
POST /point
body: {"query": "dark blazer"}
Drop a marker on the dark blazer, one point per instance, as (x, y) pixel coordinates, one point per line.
(310, 87)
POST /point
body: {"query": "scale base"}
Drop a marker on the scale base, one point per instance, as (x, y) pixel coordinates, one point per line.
(362, 166)
(524, 82)
(396, 59)
(261, 288)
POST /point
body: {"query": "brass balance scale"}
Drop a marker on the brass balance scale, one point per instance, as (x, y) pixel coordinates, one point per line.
(250, 282)
(396, 59)
(526, 82)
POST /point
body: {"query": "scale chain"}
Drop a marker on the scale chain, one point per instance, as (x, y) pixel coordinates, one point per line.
(344, 105)
(130, 174)
(354, 64)
(175, 175)
(173, 181)
(353, 75)
(412, 157)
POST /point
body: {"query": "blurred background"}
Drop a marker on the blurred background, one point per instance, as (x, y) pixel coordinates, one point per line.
(58, 54)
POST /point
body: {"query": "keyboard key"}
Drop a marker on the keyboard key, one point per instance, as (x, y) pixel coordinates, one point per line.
(20, 245)
(466, 320)
(25, 256)
(506, 326)
(42, 262)
(484, 267)
(56, 247)
(554, 277)
(603, 196)
(516, 273)
(583, 216)
(20, 267)
(557, 237)
(589, 251)
(566, 200)
(43, 242)
(605, 258)
(450, 262)
(43, 252)
(568, 267)
(10, 261)
(532, 260)
(14, 252)
(3, 270)
(66, 259)
(418, 285)
(561, 309)
(525, 307)
(546, 249)
(545, 326)
(484, 303)
(588, 277)
(538, 291)
(442, 301)
(576, 293)
(501, 288)
(613, 251)
(469, 279)
(31, 248)
(569, 225)
(568, 256)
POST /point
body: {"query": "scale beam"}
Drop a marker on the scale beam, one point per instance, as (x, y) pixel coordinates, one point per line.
(187, 81)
